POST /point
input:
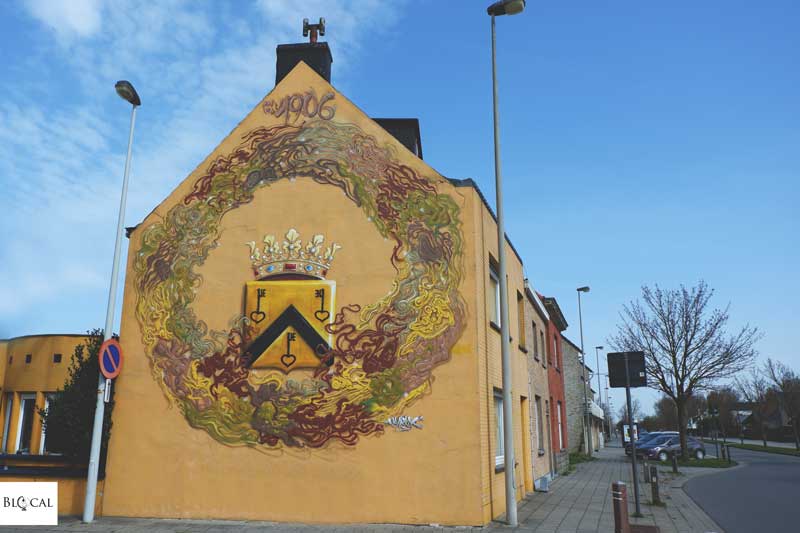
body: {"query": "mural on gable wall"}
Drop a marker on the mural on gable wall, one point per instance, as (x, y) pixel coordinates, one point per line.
(369, 360)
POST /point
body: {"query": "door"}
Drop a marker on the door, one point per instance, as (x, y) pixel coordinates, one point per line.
(526, 446)
(550, 440)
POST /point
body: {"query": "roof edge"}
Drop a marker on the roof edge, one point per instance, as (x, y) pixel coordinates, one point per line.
(469, 182)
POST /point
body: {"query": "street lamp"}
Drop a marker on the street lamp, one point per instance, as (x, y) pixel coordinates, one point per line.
(126, 91)
(597, 360)
(586, 427)
(504, 7)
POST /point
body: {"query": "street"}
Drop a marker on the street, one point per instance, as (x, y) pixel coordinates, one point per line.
(760, 496)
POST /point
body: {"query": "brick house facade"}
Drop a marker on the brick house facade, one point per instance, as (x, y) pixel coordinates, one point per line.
(559, 435)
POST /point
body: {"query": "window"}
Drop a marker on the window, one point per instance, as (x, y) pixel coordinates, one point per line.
(521, 319)
(10, 359)
(560, 428)
(539, 425)
(493, 297)
(541, 348)
(535, 342)
(555, 351)
(27, 407)
(6, 420)
(48, 397)
(57, 357)
(28, 358)
(500, 453)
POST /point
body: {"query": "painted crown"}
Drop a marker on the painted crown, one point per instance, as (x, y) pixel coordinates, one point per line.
(291, 256)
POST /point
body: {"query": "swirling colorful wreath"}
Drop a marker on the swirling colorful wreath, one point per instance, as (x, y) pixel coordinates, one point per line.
(384, 354)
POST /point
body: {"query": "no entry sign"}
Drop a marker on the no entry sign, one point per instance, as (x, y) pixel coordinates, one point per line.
(110, 357)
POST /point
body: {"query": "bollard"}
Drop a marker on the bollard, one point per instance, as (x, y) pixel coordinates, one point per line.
(656, 500)
(619, 498)
(646, 471)
(722, 450)
(674, 463)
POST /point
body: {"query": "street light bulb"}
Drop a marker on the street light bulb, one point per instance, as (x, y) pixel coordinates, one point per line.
(583, 289)
(126, 91)
(514, 6)
(506, 7)
(598, 347)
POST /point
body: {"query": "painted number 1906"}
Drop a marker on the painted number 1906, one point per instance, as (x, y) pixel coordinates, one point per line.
(293, 106)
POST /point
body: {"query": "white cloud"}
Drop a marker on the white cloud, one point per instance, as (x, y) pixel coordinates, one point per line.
(199, 69)
(68, 18)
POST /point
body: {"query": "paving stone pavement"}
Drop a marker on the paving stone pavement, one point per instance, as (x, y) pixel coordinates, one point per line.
(577, 503)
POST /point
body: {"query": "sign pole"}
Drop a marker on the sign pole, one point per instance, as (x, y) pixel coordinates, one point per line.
(633, 441)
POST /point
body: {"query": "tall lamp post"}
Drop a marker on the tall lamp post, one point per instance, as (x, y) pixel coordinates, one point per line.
(126, 91)
(504, 7)
(586, 427)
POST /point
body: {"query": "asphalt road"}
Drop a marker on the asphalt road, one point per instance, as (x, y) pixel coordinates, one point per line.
(763, 496)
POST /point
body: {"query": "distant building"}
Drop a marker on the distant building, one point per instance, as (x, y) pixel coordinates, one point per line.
(577, 404)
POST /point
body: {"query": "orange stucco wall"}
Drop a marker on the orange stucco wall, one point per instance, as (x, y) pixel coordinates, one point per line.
(158, 465)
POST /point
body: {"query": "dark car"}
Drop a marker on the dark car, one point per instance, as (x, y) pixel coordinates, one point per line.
(643, 439)
(663, 447)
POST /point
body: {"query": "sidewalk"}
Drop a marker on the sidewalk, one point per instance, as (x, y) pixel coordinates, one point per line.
(581, 501)
(578, 502)
(736, 440)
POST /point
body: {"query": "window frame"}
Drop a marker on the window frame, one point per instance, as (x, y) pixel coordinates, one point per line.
(494, 278)
(521, 337)
(537, 401)
(543, 348)
(21, 421)
(42, 448)
(499, 452)
(9, 398)
(555, 352)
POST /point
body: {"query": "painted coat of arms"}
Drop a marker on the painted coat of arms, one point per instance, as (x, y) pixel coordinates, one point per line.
(289, 305)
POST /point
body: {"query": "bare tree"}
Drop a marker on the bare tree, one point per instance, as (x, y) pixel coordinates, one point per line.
(686, 346)
(787, 384)
(636, 411)
(755, 391)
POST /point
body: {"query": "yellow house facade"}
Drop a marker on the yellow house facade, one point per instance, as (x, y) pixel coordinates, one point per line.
(32, 369)
(310, 326)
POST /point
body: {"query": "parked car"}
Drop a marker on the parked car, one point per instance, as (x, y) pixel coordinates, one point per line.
(664, 446)
(643, 439)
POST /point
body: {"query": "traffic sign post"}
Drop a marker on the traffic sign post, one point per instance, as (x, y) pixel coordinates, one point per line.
(627, 369)
(110, 359)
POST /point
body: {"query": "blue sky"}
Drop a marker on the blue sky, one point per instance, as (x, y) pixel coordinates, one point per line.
(642, 143)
